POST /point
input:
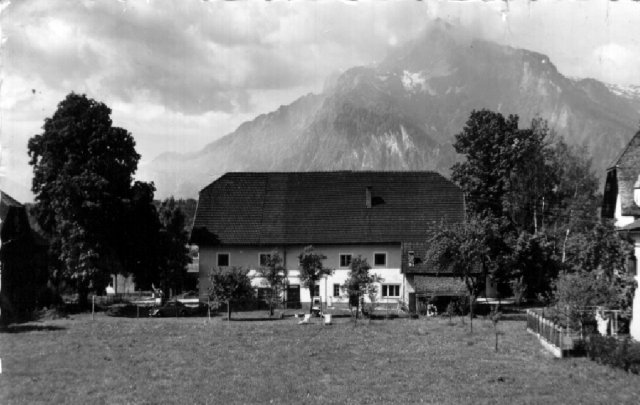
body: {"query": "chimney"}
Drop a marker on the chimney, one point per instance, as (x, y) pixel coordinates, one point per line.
(368, 197)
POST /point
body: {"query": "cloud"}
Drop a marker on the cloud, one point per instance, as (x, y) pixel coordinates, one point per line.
(617, 63)
(166, 53)
(195, 57)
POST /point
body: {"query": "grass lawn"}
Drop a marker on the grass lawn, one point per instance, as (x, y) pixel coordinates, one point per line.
(190, 360)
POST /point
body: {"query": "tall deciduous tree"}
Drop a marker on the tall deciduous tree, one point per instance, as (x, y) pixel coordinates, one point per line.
(533, 265)
(173, 250)
(312, 269)
(83, 168)
(228, 285)
(472, 251)
(506, 168)
(141, 241)
(485, 140)
(360, 282)
(574, 201)
(275, 275)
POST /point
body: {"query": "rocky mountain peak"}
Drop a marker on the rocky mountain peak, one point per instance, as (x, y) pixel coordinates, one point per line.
(403, 113)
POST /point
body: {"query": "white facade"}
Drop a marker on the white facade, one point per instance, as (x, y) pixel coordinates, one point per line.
(331, 292)
(392, 288)
(622, 221)
(634, 328)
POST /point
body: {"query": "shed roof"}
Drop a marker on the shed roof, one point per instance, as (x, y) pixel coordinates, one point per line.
(324, 207)
(439, 286)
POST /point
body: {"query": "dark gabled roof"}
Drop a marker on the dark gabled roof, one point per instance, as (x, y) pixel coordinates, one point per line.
(11, 207)
(6, 201)
(324, 207)
(622, 178)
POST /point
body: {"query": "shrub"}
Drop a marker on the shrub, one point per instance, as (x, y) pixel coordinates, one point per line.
(48, 297)
(583, 289)
(618, 353)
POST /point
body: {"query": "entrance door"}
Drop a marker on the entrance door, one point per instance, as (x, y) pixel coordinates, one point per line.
(412, 303)
(293, 296)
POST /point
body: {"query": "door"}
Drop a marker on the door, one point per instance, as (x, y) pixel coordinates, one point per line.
(293, 296)
(412, 303)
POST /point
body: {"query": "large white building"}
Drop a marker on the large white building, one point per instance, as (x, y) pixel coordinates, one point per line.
(381, 216)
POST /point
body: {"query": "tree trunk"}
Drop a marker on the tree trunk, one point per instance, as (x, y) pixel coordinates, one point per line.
(312, 287)
(83, 292)
(471, 313)
(271, 298)
(228, 310)
(357, 310)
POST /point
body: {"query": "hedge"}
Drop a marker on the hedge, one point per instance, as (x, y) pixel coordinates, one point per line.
(615, 352)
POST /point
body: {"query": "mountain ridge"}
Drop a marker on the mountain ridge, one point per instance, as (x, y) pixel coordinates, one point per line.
(403, 112)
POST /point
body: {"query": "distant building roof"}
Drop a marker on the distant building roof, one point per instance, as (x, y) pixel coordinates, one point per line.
(622, 178)
(324, 207)
(6, 201)
(7, 204)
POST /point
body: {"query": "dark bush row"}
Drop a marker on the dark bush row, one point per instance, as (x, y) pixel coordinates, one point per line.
(615, 352)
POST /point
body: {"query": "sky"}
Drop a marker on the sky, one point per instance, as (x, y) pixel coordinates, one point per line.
(179, 75)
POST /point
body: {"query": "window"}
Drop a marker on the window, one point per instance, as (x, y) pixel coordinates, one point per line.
(411, 256)
(316, 290)
(390, 290)
(380, 259)
(345, 260)
(336, 290)
(263, 294)
(264, 258)
(223, 259)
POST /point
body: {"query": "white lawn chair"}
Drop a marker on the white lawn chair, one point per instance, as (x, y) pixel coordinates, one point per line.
(327, 319)
(307, 318)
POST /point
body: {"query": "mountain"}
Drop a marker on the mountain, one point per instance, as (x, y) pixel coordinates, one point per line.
(403, 112)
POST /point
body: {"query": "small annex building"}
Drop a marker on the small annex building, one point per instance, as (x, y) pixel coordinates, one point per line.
(381, 216)
(23, 262)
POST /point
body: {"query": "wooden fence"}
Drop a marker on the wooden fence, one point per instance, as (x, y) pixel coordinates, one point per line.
(559, 340)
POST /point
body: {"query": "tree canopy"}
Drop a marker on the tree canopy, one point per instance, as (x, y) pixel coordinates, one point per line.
(471, 251)
(83, 171)
(523, 174)
(360, 282)
(173, 252)
(544, 194)
(312, 268)
(228, 285)
(275, 275)
(98, 220)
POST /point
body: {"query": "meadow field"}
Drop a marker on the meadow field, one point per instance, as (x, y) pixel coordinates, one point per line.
(196, 361)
